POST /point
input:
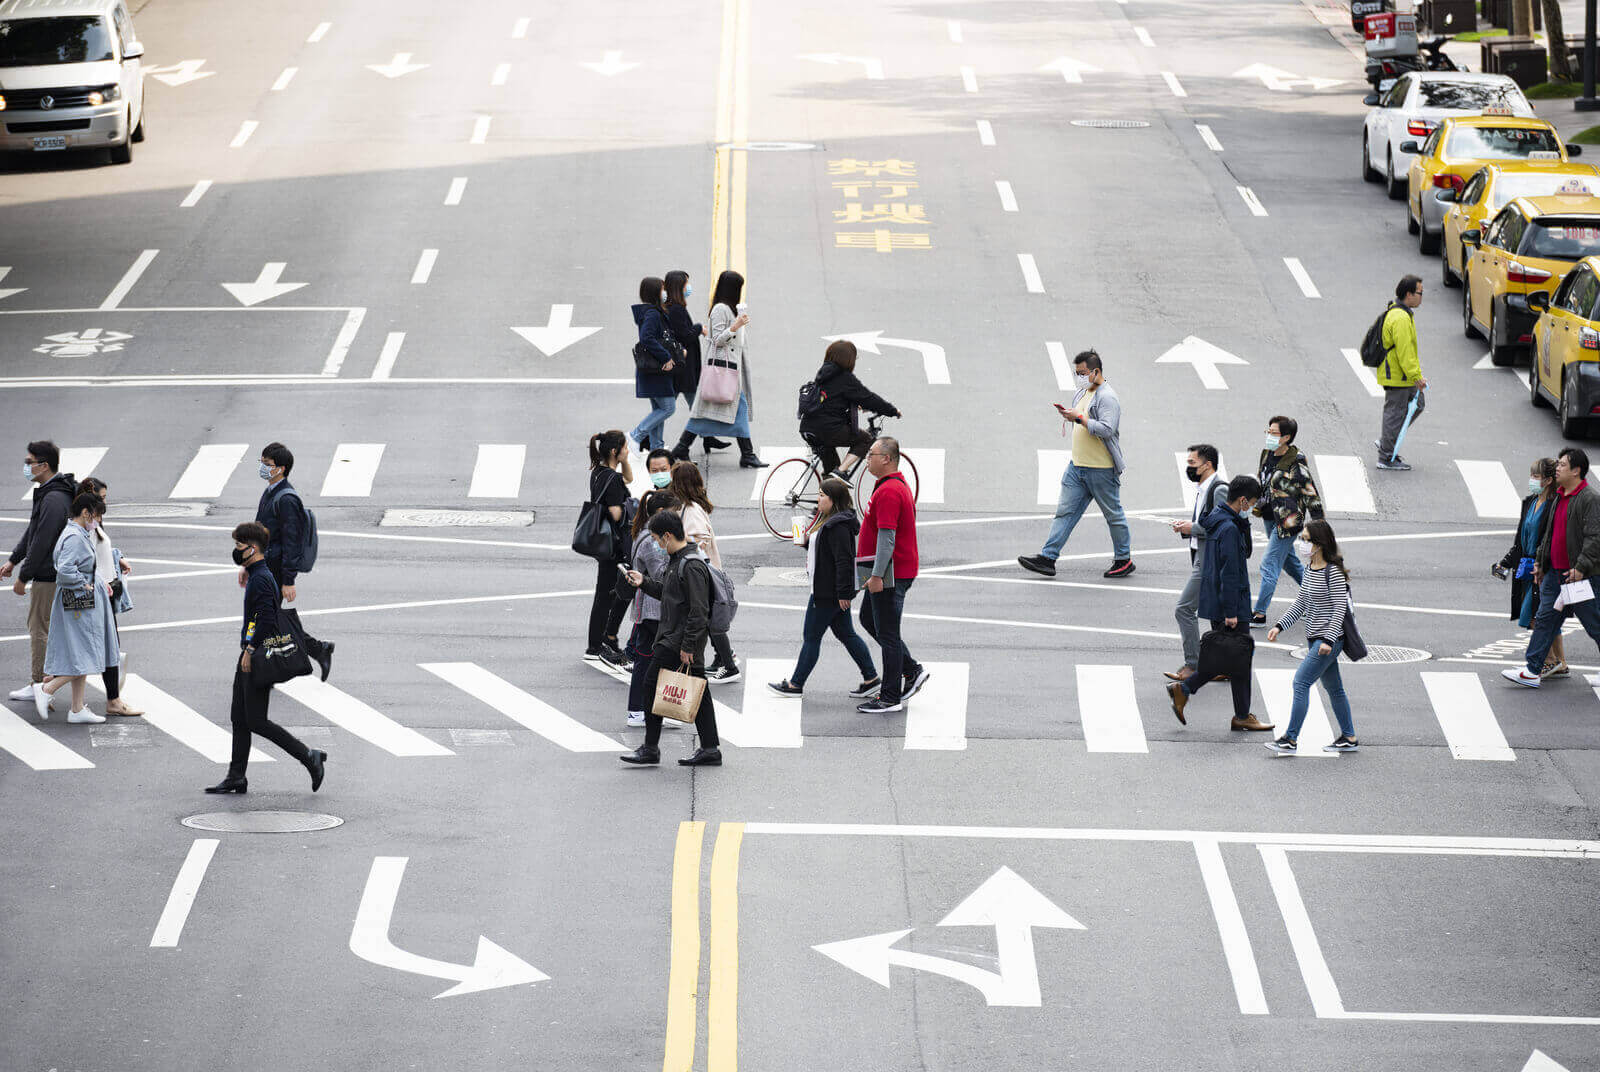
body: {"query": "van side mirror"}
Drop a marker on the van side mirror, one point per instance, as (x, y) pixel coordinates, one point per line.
(1410, 147)
(132, 51)
(1370, 100)
(1574, 150)
(1540, 300)
(1472, 237)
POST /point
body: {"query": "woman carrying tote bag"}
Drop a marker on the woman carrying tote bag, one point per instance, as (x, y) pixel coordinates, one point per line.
(722, 403)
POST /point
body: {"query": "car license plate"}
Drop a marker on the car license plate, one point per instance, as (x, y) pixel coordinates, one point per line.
(57, 142)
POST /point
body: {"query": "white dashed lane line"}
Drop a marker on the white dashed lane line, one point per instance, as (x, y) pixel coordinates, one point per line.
(386, 357)
(424, 267)
(1144, 37)
(1008, 199)
(319, 33)
(1252, 202)
(1174, 85)
(985, 132)
(195, 194)
(519, 29)
(458, 187)
(246, 128)
(284, 79)
(954, 28)
(1298, 270)
(1208, 137)
(501, 73)
(480, 129)
(1030, 273)
(969, 79)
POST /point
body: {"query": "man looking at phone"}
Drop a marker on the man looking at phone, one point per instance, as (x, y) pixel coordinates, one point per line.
(1095, 471)
(1212, 493)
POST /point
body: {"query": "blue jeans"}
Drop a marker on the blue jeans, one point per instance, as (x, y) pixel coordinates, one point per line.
(654, 424)
(1078, 486)
(1547, 623)
(1325, 668)
(820, 617)
(880, 617)
(1279, 558)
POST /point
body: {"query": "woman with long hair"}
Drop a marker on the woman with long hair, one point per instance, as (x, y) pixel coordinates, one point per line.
(1518, 561)
(655, 363)
(722, 403)
(830, 562)
(609, 477)
(686, 376)
(690, 489)
(1324, 595)
(80, 615)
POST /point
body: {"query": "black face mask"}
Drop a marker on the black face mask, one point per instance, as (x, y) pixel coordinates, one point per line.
(1192, 473)
(238, 556)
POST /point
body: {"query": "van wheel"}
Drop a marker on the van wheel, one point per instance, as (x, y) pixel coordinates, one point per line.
(1368, 172)
(1468, 329)
(1397, 188)
(123, 154)
(138, 131)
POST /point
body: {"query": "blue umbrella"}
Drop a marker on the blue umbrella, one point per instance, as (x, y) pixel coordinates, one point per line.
(1411, 411)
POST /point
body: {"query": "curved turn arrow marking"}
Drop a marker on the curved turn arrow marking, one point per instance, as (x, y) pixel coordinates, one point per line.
(934, 365)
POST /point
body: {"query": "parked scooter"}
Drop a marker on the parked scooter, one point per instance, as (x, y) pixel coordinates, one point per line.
(1430, 57)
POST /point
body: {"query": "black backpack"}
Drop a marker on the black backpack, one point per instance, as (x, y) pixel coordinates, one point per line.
(1373, 352)
(812, 396)
(308, 530)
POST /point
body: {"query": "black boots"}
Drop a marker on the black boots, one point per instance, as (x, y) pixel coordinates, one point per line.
(680, 452)
(748, 458)
(315, 765)
(230, 784)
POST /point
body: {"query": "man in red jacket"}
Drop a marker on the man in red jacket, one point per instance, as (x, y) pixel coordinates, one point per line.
(887, 551)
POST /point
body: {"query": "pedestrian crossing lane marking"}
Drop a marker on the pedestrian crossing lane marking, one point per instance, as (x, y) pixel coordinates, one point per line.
(1342, 483)
(1493, 494)
(522, 708)
(180, 721)
(354, 466)
(1464, 714)
(1109, 710)
(79, 461)
(34, 747)
(1277, 688)
(349, 713)
(498, 472)
(1052, 466)
(208, 471)
(765, 719)
(936, 717)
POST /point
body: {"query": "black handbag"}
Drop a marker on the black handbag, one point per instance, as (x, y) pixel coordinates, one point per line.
(1355, 649)
(595, 535)
(74, 600)
(280, 658)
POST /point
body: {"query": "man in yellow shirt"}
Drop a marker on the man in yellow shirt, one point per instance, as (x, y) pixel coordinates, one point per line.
(1400, 375)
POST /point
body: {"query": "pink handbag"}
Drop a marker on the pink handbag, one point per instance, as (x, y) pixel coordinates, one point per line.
(719, 381)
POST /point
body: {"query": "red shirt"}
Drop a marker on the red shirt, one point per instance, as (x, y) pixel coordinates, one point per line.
(1558, 538)
(891, 507)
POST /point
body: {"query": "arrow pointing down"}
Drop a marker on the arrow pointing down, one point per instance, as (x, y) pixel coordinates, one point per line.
(558, 334)
(1071, 70)
(6, 292)
(491, 969)
(934, 365)
(397, 67)
(1205, 358)
(609, 65)
(179, 73)
(265, 288)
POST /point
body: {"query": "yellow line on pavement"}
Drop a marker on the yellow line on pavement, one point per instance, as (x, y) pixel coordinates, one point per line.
(684, 978)
(722, 1007)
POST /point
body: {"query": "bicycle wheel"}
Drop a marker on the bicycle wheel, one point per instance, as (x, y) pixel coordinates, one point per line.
(790, 488)
(865, 482)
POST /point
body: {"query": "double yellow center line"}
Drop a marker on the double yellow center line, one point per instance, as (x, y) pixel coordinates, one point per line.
(683, 981)
(731, 175)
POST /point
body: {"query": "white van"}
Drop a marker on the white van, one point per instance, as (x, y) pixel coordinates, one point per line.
(70, 77)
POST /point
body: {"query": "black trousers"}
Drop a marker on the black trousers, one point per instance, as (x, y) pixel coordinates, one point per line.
(112, 678)
(1223, 659)
(705, 718)
(858, 441)
(249, 716)
(880, 617)
(605, 614)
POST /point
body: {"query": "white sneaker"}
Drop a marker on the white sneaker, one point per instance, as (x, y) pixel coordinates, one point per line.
(1521, 677)
(636, 718)
(84, 717)
(24, 693)
(41, 702)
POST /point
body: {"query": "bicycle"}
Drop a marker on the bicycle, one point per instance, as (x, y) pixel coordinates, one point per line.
(791, 486)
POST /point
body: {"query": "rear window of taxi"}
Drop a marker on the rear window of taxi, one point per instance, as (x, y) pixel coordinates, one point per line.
(1562, 240)
(1500, 143)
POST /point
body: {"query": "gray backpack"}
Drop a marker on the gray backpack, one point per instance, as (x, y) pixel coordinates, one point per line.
(724, 603)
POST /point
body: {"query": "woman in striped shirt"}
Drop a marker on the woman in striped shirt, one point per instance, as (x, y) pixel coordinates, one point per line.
(1324, 594)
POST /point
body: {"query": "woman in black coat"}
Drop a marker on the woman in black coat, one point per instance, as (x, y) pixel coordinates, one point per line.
(833, 423)
(1518, 560)
(831, 559)
(686, 376)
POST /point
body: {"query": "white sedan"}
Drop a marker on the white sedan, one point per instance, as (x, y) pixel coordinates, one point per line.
(1410, 109)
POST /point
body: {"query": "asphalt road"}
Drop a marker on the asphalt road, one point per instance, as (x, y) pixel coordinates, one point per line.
(1036, 866)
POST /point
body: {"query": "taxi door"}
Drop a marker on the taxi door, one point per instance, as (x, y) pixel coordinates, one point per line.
(1570, 326)
(1552, 334)
(1455, 221)
(1419, 179)
(1488, 271)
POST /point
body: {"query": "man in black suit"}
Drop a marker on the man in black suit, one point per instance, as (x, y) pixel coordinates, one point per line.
(283, 515)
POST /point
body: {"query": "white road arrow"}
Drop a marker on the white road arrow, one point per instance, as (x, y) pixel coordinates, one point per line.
(6, 292)
(395, 68)
(934, 365)
(369, 939)
(1539, 1062)
(558, 334)
(1205, 358)
(265, 288)
(179, 73)
(1283, 81)
(1005, 902)
(610, 64)
(874, 67)
(1071, 70)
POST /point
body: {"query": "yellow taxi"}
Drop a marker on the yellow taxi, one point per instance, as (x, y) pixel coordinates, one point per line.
(1530, 245)
(1460, 145)
(1566, 349)
(1487, 192)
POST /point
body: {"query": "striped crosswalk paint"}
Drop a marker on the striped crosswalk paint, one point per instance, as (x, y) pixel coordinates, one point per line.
(1277, 688)
(354, 466)
(1493, 494)
(79, 461)
(35, 747)
(521, 707)
(936, 717)
(1342, 482)
(1052, 466)
(498, 472)
(764, 719)
(1109, 710)
(209, 471)
(1464, 714)
(349, 713)
(180, 721)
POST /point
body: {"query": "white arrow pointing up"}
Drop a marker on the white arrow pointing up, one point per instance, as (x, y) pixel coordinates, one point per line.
(1283, 81)
(369, 939)
(1071, 70)
(873, 67)
(934, 365)
(395, 68)
(1539, 1062)
(1205, 358)
(558, 334)
(610, 64)
(265, 288)
(6, 292)
(179, 73)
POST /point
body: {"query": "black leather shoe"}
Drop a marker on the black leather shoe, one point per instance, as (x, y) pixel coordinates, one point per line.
(642, 756)
(326, 659)
(752, 461)
(315, 763)
(713, 443)
(703, 757)
(230, 785)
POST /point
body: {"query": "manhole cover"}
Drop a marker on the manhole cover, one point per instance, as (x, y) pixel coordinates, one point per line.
(1111, 124)
(262, 822)
(780, 577)
(129, 511)
(770, 146)
(453, 519)
(1380, 653)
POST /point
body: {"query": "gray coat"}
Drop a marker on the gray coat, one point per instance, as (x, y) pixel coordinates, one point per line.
(726, 345)
(84, 641)
(1102, 421)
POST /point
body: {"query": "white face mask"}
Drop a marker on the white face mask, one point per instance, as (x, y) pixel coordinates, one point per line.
(1081, 381)
(1535, 485)
(264, 471)
(660, 480)
(663, 297)
(688, 290)
(1272, 442)
(27, 472)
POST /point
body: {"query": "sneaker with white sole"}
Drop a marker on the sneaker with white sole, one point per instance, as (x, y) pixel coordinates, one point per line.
(84, 717)
(721, 675)
(24, 694)
(1521, 677)
(914, 683)
(871, 687)
(1284, 746)
(785, 688)
(41, 702)
(880, 707)
(1342, 744)
(636, 719)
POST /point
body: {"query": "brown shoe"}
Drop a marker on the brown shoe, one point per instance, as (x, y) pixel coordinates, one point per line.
(1180, 700)
(1251, 722)
(117, 707)
(1220, 677)
(1181, 674)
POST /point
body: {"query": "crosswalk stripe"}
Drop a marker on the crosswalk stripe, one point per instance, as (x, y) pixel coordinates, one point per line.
(522, 708)
(208, 471)
(936, 717)
(1493, 494)
(1059, 365)
(1464, 714)
(349, 713)
(1190, 488)
(1277, 688)
(1342, 481)
(79, 461)
(36, 748)
(498, 472)
(764, 719)
(180, 721)
(1052, 465)
(354, 466)
(1109, 710)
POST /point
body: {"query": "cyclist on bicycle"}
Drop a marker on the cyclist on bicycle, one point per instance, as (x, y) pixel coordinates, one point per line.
(832, 424)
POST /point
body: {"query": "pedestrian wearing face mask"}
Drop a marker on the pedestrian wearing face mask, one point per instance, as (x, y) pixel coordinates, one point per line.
(1519, 561)
(1400, 375)
(723, 403)
(650, 562)
(1324, 596)
(656, 360)
(1288, 500)
(1212, 492)
(109, 562)
(31, 559)
(613, 653)
(283, 514)
(1569, 555)
(83, 639)
(249, 712)
(686, 374)
(689, 487)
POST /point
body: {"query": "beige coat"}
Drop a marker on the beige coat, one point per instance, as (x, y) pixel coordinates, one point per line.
(726, 345)
(697, 529)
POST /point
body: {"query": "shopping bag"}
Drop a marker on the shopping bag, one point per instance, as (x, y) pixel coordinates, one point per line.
(719, 381)
(279, 659)
(678, 695)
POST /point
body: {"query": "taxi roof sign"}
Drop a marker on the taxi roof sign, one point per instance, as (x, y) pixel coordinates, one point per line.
(1498, 109)
(1575, 186)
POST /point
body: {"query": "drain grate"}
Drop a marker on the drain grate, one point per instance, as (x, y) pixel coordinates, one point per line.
(263, 822)
(1111, 124)
(780, 577)
(456, 519)
(125, 511)
(1380, 653)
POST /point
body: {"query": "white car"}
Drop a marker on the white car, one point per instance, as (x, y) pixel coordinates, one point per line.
(70, 77)
(1411, 108)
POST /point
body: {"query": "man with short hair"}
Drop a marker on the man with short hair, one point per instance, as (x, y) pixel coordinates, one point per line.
(1400, 375)
(887, 550)
(1201, 469)
(33, 559)
(283, 514)
(1569, 552)
(1095, 471)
